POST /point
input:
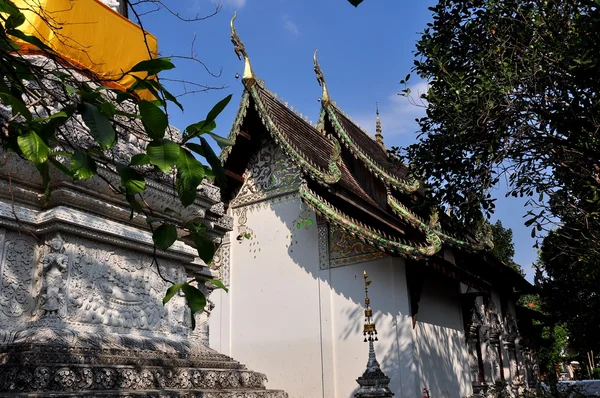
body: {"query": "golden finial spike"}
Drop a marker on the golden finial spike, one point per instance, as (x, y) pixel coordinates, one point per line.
(369, 330)
(321, 79)
(378, 130)
(240, 50)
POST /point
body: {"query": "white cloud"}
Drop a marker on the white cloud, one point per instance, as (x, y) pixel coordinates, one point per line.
(290, 26)
(397, 115)
(234, 4)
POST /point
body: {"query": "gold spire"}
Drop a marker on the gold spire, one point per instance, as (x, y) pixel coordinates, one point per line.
(369, 328)
(240, 50)
(378, 130)
(321, 79)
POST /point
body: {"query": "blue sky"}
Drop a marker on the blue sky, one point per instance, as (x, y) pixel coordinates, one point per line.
(364, 52)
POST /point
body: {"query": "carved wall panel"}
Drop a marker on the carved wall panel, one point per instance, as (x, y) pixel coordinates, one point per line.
(269, 174)
(17, 272)
(345, 249)
(120, 288)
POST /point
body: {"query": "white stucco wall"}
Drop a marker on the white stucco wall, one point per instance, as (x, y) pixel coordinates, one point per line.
(273, 321)
(439, 334)
(302, 325)
(389, 300)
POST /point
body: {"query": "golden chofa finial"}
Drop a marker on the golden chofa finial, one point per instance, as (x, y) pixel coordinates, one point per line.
(240, 50)
(369, 327)
(321, 79)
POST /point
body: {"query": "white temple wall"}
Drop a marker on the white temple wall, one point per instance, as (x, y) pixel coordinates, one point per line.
(441, 347)
(272, 323)
(389, 298)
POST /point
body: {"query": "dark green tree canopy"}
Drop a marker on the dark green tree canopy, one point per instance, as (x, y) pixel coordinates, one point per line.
(513, 95)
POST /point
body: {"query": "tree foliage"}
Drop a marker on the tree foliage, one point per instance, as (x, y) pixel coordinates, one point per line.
(512, 96)
(47, 100)
(504, 247)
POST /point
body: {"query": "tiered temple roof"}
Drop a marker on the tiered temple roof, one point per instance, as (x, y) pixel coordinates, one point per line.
(348, 178)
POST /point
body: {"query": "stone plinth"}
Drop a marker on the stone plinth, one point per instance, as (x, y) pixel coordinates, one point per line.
(81, 310)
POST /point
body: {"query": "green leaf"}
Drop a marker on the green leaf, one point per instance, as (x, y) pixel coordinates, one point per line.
(100, 126)
(164, 154)
(131, 180)
(135, 205)
(154, 119)
(199, 128)
(153, 66)
(171, 291)
(33, 147)
(217, 109)
(215, 282)
(221, 141)
(60, 166)
(28, 39)
(139, 160)
(190, 173)
(204, 245)
(82, 166)
(44, 170)
(60, 114)
(14, 20)
(9, 7)
(171, 98)
(164, 236)
(195, 299)
(215, 163)
(16, 104)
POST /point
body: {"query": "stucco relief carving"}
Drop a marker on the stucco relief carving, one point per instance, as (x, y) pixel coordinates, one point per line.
(345, 249)
(221, 263)
(323, 242)
(269, 173)
(119, 288)
(17, 276)
(54, 266)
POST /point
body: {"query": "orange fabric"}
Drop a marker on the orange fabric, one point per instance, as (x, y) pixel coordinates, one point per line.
(89, 35)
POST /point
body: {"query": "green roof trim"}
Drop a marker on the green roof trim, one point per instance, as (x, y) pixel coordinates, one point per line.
(235, 127)
(365, 233)
(483, 237)
(379, 171)
(325, 177)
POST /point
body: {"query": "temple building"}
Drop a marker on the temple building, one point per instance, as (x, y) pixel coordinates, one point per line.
(315, 205)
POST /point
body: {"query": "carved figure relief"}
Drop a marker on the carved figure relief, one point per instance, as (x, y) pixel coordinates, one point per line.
(54, 266)
(269, 173)
(120, 289)
(16, 279)
(345, 249)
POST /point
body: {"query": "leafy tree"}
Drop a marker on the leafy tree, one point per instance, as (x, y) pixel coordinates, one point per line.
(504, 247)
(569, 288)
(47, 100)
(512, 96)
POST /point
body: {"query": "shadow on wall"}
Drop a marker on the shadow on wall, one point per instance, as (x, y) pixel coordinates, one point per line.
(438, 334)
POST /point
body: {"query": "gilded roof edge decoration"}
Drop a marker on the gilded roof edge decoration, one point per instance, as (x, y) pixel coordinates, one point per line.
(321, 79)
(365, 233)
(323, 177)
(483, 237)
(379, 171)
(240, 50)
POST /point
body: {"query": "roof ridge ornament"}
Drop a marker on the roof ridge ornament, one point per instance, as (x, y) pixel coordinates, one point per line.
(248, 77)
(378, 129)
(321, 79)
